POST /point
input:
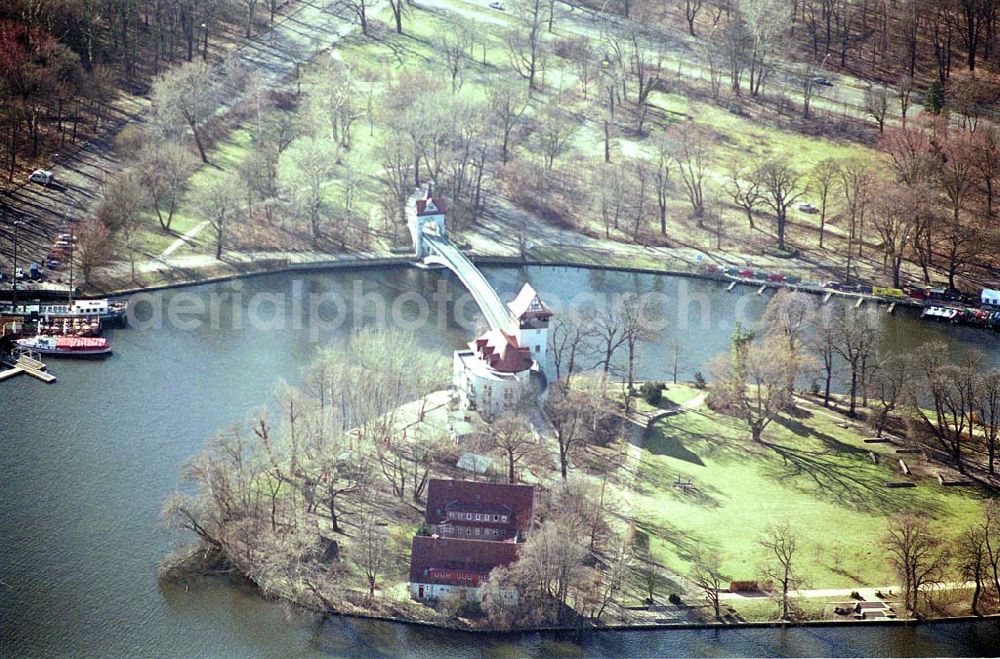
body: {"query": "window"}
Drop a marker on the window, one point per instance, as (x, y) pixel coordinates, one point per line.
(468, 515)
(477, 530)
(477, 517)
(503, 518)
(496, 518)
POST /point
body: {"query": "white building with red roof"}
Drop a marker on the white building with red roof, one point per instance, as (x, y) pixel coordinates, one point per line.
(492, 374)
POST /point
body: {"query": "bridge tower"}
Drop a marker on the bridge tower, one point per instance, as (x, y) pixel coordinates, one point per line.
(427, 213)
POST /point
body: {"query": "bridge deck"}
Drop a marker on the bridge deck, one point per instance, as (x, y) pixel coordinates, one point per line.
(497, 314)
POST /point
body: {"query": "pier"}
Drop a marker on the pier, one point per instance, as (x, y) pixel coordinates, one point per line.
(28, 365)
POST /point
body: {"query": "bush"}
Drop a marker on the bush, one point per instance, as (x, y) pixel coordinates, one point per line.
(814, 388)
(651, 392)
(699, 380)
(674, 599)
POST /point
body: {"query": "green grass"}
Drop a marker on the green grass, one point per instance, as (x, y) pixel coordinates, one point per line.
(813, 474)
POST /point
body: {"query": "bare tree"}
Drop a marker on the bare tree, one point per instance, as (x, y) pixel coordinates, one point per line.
(219, 202)
(856, 334)
(186, 96)
(752, 383)
(508, 105)
(779, 188)
(745, 191)
(306, 167)
(781, 543)
(524, 41)
(972, 559)
(889, 383)
(987, 408)
(895, 216)
(370, 544)
(914, 552)
(708, 577)
(877, 104)
(555, 131)
(569, 340)
(691, 9)
(164, 168)
(511, 436)
(360, 10)
(689, 147)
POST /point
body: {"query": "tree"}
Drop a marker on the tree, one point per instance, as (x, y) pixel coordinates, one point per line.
(956, 177)
(857, 178)
(661, 179)
(823, 340)
(986, 160)
(219, 202)
(164, 168)
(708, 577)
(691, 9)
(399, 8)
(765, 22)
(895, 216)
(951, 387)
(973, 563)
(524, 40)
(752, 383)
(508, 105)
(780, 542)
(569, 337)
(779, 188)
(889, 383)
(555, 131)
(371, 544)
(824, 176)
(511, 436)
(987, 412)
(745, 192)
(914, 553)
(186, 96)
(93, 247)
(578, 415)
(360, 10)
(856, 334)
(877, 104)
(689, 147)
(305, 170)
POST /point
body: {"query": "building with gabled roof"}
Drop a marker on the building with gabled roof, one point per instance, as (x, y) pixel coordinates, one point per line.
(471, 509)
(442, 567)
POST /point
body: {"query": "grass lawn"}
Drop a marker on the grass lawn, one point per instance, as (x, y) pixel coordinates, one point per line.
(812, 473)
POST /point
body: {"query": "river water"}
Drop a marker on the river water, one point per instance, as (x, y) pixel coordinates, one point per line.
(87, 463)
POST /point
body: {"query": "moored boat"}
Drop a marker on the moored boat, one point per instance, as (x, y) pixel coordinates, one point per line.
(66, 346)
(105, 310)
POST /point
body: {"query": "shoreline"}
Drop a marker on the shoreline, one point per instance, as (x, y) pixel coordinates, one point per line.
(268, 266)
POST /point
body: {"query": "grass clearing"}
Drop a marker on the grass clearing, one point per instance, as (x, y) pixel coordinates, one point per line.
(812, 473)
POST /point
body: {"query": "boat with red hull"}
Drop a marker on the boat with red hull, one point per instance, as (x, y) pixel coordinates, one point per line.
(66, 346)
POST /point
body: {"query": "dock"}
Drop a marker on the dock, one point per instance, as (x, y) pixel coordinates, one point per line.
(30, 366)
(760, 291)
(892, 307)
(858, 304)
(826, 298)
(731, 286)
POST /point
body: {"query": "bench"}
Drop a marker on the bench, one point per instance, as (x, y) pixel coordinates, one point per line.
(902, 465)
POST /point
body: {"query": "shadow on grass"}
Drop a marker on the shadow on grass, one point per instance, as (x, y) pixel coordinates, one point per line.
(659, 441)
(656, 481)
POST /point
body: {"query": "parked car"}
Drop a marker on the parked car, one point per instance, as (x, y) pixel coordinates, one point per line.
(808, 208)
(53, 264)
(19, 274)
(776, 277)
(68, 237)
(496, 5)
(43, 176)
(823, 82)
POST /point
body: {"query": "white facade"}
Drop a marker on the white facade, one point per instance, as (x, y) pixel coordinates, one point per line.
(436, 591)
(482, 389)
(432, 218)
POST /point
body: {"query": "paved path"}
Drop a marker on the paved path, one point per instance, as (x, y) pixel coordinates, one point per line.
(185, 239)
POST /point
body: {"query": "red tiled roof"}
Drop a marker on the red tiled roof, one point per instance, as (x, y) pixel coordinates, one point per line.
(438, 202)
(458, 555)
(442, 493)
(528, 304)
(501, 352)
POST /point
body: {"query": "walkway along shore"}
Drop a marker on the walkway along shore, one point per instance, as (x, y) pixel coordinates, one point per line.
(271, 263)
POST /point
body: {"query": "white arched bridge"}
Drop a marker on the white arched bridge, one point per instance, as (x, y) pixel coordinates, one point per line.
(430, 242)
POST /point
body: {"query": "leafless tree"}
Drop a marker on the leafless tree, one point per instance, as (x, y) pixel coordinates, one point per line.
(569, 338)
(555, 131)
(689, 147)
(708, 577)
(164, 167)
(511, 436)
(524, 41)
(691, 9)
(507, 105)
(779, 187)
(987, 408)
(752, 383)
(781, 543)
(186, 96)
(877, 104)
(219, 202)
(895, 216)
(914, 551)
(371, 544)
